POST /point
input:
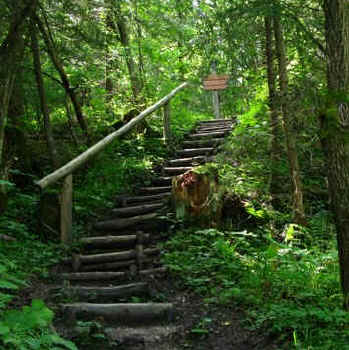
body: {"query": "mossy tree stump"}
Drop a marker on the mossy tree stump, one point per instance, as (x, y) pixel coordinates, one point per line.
(197, 196)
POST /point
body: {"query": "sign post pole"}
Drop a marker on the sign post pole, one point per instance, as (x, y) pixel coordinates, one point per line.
(214, 83)
(215, 97)
(215, 100)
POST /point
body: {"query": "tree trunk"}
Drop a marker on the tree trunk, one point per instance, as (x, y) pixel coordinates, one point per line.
(335, 128)
(275, 146)
(42, 94)
(298, 208)
(65, 81)
(136, 84)
(11, 54)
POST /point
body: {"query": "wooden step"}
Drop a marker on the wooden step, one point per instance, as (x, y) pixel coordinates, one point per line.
(162, 180)
(111, 241)
(137, 210)
(115, 256)
(127, 200)
(184, 161)
(208, 135)
(123, 313)
(203, 143)
(94, 276)
(218, 121)
(94, 293)
(212, 129)
(114, 266)
(122, 223)
(195, 151)
(154, 190)
(176, 170)
(109, 266)
(108, 276)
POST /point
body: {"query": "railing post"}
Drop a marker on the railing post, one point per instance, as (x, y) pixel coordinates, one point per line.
(167, 122)
(66, 201)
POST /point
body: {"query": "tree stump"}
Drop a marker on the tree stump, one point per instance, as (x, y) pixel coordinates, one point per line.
(197, 196)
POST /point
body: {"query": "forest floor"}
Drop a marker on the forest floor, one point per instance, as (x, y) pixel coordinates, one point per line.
(195, 325)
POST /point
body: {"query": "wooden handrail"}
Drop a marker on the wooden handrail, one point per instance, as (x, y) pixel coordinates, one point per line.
(71, 166)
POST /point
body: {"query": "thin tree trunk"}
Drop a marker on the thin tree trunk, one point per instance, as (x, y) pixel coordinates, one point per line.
(70, 120)
(136, 84)
(335, 128)
(275, 147)
(297, 195)
(65, 81)
(11, 54)
(42, 94)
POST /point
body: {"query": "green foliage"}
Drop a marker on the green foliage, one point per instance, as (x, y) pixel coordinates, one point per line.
(285, 289)
(28, 329)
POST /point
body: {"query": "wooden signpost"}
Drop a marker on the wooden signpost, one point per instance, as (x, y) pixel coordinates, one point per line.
(214, 83)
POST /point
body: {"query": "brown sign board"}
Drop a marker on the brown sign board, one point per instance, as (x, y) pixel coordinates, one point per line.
(216, 82)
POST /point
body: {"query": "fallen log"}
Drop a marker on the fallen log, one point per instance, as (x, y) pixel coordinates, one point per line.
(123, 313)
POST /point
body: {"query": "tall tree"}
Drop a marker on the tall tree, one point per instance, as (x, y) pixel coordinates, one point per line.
(42, 95)
(297, 195)
(335, 127)
(11, 55)
(275, 146)
(64, 77)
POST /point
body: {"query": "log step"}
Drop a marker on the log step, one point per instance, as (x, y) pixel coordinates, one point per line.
(111, 241)
(93, 276)
(114, 266)
(94, 293)
(127, 200)
(184, 161)
(195, 151)
(218, 121)
(212, 129)
(207, 134)
(137, 210)
(203, 143)
(176, 170)
(111, 257)
(162, 180)
(123, 313)
(111, 266)
(108, 276)
(154, 190)
(122, 223)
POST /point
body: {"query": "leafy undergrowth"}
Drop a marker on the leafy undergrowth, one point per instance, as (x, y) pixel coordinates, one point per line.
(27, 327)
(284, 277)
(26, 322)
(289, 290)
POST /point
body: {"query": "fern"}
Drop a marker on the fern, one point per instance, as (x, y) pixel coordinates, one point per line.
(28, 329)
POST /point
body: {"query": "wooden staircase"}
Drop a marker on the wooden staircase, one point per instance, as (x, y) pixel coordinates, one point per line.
(122, 257)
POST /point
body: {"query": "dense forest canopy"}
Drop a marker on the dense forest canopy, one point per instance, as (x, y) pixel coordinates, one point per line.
(73, 71)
